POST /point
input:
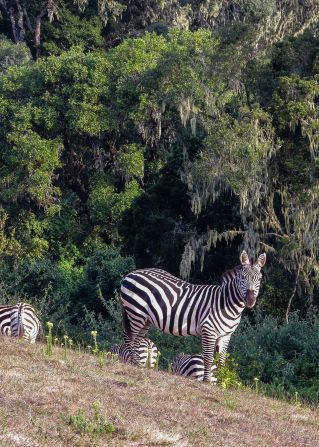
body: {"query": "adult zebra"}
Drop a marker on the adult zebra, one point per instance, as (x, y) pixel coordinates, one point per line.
(155, 297)
(19, 320)
(147, 352)
(190, 366)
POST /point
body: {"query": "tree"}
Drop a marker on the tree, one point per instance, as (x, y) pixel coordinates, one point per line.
(26, 17)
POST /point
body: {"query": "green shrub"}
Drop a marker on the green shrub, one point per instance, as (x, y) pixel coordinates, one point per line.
(284, 357)
(94, 426)
(227, 374)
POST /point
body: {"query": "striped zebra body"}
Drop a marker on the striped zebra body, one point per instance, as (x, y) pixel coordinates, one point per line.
(155, 297)
(191, 366)
(19, 320)
(146, 349)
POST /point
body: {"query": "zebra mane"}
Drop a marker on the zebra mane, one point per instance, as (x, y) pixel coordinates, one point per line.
(230, 274)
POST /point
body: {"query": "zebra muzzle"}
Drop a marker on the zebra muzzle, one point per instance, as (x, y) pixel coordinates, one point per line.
(250, 299)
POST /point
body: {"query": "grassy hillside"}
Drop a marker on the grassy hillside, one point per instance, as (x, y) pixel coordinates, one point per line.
(53, 402)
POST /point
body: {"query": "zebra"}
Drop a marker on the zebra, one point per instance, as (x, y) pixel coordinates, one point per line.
(147, 352)
(19, 320)
(191, 366)
(154, 297)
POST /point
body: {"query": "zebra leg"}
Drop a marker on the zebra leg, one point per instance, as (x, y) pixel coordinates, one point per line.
(134, 342)
(140, 340)
(132, 324)
(208, 346)
(223, 343)
(130, 344)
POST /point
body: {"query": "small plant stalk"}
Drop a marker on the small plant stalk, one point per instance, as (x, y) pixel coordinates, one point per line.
(49, 339)
(256, 380)
(102, 356)
(157, 359)
(96, 348)
(66, 338)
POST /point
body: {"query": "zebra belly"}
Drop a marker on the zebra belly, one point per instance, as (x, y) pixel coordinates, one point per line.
(177, 327)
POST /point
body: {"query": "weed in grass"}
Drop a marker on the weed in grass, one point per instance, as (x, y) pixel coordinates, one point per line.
(94, 426)
(115, 357)
(229, 399)
(226, 374)
(106, 357)
(49, 339)
(148, 360)
(96, 348)
(157, 359)
(297, 401)
(200, 432)
(101, 361)
(65, 344)
(137, 435)
(111, 358)
(256, 380)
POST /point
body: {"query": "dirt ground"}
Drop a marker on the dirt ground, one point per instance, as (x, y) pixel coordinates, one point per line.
(77, 402)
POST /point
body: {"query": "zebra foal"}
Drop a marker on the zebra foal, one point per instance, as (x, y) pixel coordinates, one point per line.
(19, 320)
(155, 297)
(147, 352)
(191, 366)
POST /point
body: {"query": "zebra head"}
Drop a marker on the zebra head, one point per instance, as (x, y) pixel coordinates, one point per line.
(249, 278)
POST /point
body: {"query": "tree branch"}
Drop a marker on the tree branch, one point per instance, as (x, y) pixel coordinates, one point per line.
(28, 22)
(292, 295)
(276, 235)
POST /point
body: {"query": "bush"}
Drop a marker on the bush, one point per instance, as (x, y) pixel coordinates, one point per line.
(283, 357)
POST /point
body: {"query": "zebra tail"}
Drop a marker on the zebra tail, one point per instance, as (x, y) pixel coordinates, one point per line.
(126, 324)
(20, 322)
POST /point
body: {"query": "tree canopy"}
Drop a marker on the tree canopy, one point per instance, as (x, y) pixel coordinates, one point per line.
(165, 135)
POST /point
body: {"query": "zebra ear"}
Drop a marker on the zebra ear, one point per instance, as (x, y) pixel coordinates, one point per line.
(261, 261)
(244, 260)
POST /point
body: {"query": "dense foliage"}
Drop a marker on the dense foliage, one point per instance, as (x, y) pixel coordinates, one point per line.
(131, 136)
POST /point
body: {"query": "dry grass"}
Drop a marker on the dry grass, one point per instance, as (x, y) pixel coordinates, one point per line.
(147, 408)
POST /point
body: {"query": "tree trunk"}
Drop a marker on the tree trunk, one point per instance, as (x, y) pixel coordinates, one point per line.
(292, 295)
(37, 31)
(16, 18)
(20, 22)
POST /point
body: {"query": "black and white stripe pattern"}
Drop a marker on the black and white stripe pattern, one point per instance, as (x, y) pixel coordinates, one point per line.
(146, 349)
(191, 366)
(19, 320)
(155, 297)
